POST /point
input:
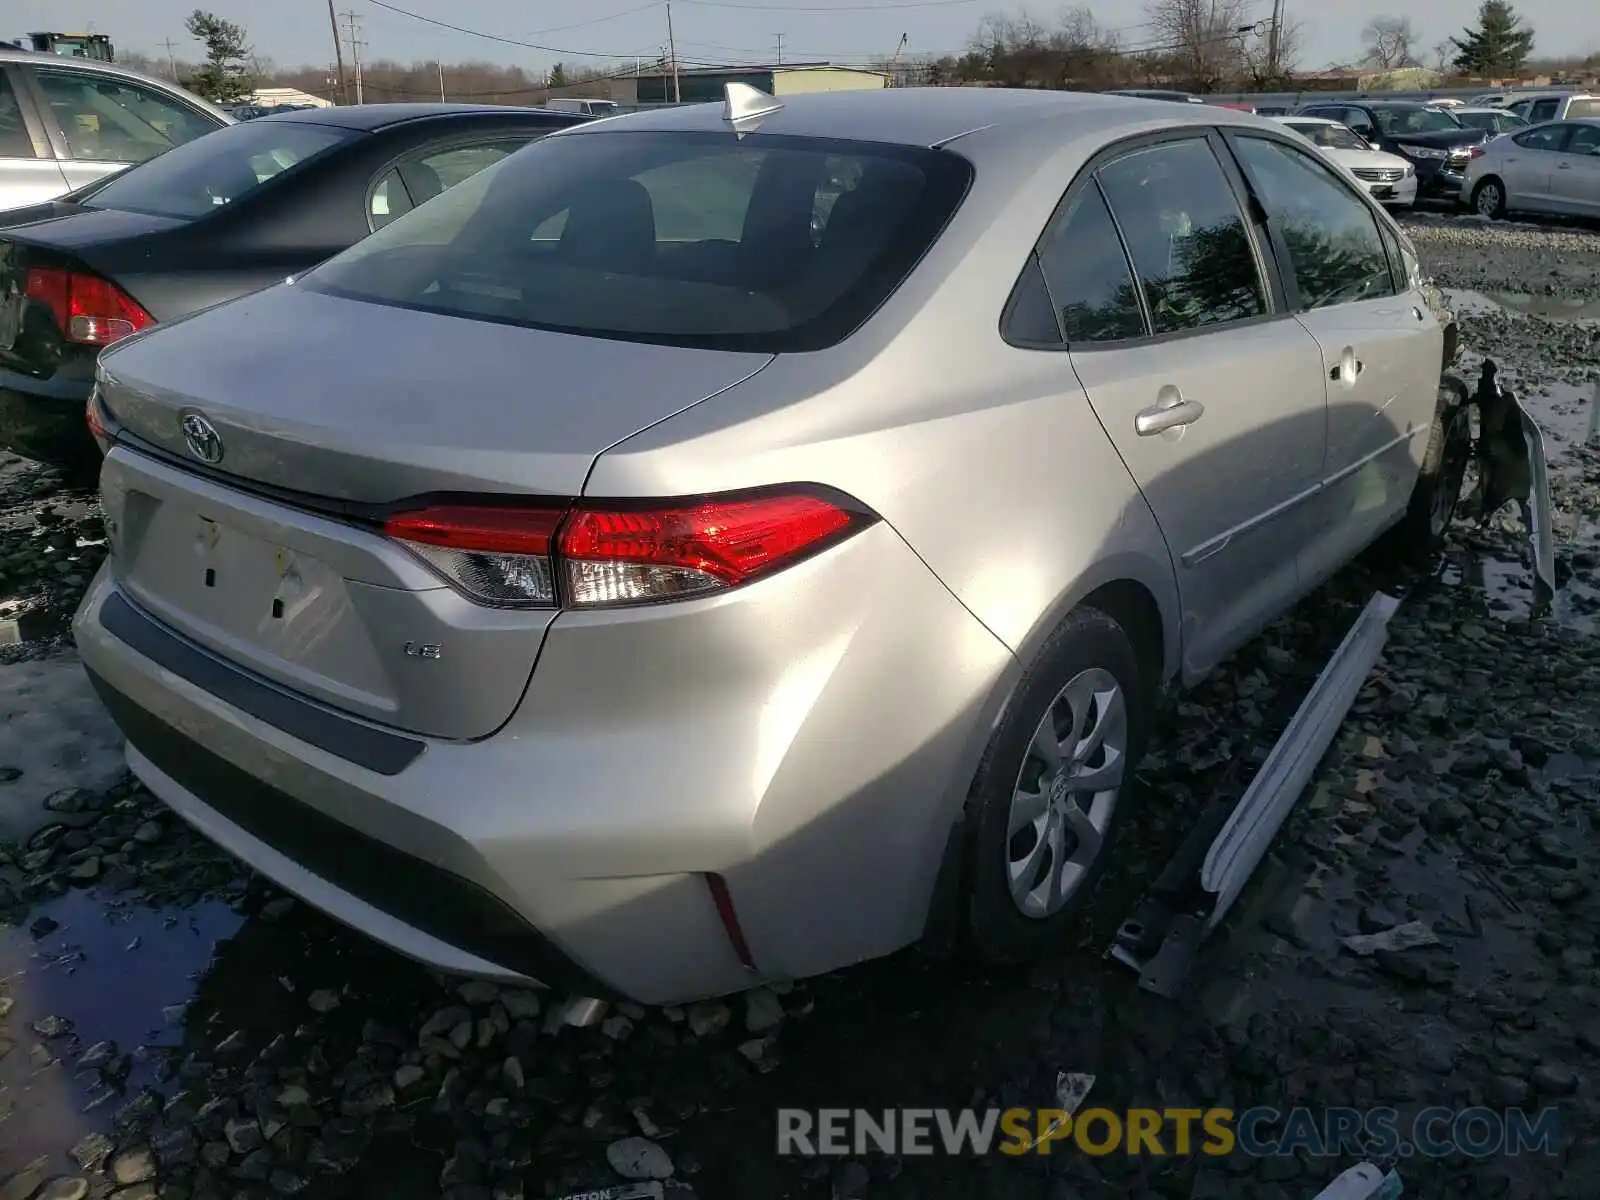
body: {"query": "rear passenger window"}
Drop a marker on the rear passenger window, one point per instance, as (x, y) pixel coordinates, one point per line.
(1030, 318)
(1334, 246)
(425, 175)
(1187, 235)
(14, 139)
(1544, 110)
(1087, 274)
(1548, 137)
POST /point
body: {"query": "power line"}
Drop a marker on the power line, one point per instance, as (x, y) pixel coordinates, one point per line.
(509, 41)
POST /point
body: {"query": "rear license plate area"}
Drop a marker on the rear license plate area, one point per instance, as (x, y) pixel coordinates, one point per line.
(194, 566)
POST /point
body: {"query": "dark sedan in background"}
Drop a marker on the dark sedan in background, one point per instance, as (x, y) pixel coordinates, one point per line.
(1438, 145)
(227, 214)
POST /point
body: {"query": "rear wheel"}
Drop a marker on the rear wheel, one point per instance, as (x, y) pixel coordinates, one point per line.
(1489, 198)
(1437, 492)
(1046, 800)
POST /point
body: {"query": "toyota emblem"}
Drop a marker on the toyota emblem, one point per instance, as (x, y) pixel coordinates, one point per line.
(202, 438)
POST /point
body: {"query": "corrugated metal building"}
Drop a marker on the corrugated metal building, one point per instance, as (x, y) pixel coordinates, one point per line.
(706, 83)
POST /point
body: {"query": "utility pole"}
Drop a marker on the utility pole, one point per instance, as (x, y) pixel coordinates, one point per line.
(338, 54)
(780, 49)
(440, 65)
(355, 51)
(672, 48)
(172, 61)
(1273, 41)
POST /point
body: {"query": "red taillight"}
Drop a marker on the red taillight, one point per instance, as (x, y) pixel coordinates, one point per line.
(91, 414)
(604, 555)
(494, 555)
(88, 310)
(723, 899)
(1474, 151)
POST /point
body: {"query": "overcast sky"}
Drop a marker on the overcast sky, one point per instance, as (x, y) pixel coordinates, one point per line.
(293, 32)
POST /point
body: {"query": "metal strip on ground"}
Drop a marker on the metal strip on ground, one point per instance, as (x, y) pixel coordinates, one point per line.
(1190, 898)
(1255, 822)
(1541, 514)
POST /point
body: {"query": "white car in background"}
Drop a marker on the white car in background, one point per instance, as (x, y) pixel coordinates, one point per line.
(1391, 179)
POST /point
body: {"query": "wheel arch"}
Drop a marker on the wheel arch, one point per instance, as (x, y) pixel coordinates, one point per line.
(1132, 591)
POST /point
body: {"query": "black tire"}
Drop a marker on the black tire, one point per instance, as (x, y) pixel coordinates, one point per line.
(1437, 492)
(997, 931)
(1496, 206)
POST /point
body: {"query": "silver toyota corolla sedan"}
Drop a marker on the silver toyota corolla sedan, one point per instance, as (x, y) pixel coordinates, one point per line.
(726, 543)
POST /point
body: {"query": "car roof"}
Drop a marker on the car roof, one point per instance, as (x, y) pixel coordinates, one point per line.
(1287, 117)
(1470, 109)
(372, 117)
(932, 116)
(35, 58)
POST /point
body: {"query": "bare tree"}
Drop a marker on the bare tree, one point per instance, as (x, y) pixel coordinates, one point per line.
(1203, 38)
(1389, 42)
(1019, 52)
(1266, 75)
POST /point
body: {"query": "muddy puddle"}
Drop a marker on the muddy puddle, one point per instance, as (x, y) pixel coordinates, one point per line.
(99, 993)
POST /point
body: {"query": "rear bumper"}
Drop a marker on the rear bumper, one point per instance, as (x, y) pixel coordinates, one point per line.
(44, 419)
(808, 738)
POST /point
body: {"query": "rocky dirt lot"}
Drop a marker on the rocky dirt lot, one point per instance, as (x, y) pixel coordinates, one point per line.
(171, 1027)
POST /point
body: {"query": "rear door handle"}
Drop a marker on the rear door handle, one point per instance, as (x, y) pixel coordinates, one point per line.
(1174, 414)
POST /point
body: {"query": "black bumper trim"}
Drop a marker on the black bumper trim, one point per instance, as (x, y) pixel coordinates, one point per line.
(426, 897)
(378, 751)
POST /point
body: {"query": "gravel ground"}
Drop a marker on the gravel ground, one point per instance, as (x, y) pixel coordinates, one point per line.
(171, 1027)
(1553, 260)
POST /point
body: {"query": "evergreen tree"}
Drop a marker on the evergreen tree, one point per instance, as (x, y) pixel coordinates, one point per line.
(1498, 47)
(558, 76)
(225, 77)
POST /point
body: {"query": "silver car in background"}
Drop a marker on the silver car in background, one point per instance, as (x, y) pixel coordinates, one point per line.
(721, 545)
(1552, 168)
(65, 122)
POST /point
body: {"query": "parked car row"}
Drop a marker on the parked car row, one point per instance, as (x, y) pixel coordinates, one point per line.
(1478, 155)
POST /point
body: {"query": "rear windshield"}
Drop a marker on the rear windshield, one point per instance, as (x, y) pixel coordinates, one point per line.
(766, 244)
(1333, 137)
(1399, 120)
(201, 176)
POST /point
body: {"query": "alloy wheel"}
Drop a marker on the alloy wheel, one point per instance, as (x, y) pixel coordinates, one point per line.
(1489, 199)
(1066, 793)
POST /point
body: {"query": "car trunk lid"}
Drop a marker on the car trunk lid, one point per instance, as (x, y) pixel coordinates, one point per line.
(373, 403)
(275, 559)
